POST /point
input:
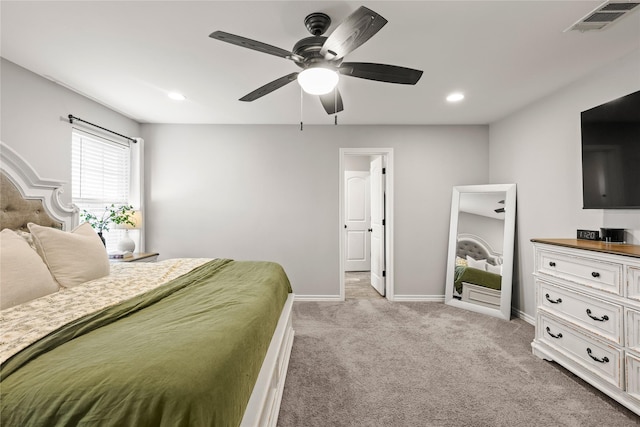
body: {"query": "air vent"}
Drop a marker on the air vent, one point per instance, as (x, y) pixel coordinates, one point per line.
(605, 15)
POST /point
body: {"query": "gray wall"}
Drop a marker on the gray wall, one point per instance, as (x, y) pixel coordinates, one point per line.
(34, 120)
(539, 149)
(491, 230)
(271, 192)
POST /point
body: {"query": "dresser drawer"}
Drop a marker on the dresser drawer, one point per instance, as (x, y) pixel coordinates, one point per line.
(600, 317)
(632, 327)
(585, 271)
(633, 283)
(597, 356)
(632, 379)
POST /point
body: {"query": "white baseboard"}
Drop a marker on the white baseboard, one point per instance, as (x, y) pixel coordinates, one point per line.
(524, 316)
(418, 298)
(330, 298)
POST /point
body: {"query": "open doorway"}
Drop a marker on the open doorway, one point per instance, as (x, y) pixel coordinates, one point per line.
(366, 223)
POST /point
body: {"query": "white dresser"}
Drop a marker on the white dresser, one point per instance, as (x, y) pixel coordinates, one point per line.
(588, 313)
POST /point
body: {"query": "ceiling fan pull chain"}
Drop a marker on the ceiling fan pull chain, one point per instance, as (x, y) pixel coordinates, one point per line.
(301, 98)
(335, 106)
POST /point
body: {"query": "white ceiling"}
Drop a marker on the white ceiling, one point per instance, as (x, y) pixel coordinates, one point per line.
(129, 54)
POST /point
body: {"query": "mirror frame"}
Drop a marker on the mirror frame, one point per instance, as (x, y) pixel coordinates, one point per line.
(507, 248)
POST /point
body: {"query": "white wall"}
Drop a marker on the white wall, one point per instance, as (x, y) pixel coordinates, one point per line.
(34, 122)
(491, 230)
(271, 193)
(539, 149)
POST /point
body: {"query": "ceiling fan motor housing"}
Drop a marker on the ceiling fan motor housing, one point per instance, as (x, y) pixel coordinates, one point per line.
(309, 49)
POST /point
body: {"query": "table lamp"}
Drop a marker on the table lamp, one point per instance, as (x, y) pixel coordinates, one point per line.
(126, 244)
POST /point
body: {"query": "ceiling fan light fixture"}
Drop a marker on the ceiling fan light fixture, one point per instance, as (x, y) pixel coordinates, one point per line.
(318, 80)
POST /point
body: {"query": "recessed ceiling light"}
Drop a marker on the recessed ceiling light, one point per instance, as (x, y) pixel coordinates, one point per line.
(176, 96)
(455, 97)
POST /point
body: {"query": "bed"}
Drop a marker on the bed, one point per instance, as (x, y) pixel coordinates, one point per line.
(180, 342)
(477, 277)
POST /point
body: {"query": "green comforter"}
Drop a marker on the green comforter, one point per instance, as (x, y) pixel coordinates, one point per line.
(477, 277)
(186, 354)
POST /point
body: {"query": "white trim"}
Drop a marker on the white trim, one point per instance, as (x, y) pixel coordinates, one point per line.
(524, 316)
(32, 186)
(418, 298)
(330, 298)
(136, 188)
(504, 311)
(387, 154)
(264, 404)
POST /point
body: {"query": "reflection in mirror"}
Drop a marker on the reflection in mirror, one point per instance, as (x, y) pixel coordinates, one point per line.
(480, 257)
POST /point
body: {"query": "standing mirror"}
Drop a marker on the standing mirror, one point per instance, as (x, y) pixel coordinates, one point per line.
(480, 257)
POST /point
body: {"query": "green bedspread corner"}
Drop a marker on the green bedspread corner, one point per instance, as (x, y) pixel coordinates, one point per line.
(187, 353)
(477, 277)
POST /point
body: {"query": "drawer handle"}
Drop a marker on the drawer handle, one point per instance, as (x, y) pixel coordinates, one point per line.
(599, 319)
(558, 301)
(555, 336)
(595, 274)
(603, 360)
(552, 264)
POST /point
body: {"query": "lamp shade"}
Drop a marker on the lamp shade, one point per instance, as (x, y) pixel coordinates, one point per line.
(136, 218)
(318, 80)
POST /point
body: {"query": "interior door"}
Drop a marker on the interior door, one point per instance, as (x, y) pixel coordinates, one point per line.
(357, 220)
(377, 225)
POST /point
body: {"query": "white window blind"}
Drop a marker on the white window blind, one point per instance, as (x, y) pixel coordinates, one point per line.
(101, 171)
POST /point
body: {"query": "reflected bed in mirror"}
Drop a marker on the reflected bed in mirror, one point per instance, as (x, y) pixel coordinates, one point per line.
(480, 257)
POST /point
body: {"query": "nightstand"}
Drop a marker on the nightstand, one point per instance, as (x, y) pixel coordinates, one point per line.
(138, 257)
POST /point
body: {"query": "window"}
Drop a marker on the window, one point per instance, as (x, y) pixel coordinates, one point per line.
(101, 175)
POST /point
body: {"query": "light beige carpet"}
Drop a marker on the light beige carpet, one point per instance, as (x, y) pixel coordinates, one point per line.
(357, 285)
(370, 362)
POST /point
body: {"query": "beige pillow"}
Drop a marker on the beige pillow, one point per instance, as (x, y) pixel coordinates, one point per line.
(23, 275)
(72, 257)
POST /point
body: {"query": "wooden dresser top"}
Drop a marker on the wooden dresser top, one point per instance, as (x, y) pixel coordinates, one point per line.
(595, 245)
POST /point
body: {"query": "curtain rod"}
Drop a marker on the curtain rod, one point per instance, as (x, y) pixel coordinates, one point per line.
(72, 118)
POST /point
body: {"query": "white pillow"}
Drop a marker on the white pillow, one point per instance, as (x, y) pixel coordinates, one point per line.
(480, 264)
(23, 275)
(497, 269)
(72, 257)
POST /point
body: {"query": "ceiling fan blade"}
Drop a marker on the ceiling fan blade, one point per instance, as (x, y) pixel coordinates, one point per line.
(332, 101)
(359, 27)
(255, 45)
(381, 72)
(269, 87)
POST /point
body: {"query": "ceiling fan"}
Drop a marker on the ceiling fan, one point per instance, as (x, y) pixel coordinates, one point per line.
(319, 55)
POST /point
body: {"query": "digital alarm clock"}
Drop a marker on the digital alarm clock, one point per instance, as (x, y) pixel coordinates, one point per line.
(588, 235)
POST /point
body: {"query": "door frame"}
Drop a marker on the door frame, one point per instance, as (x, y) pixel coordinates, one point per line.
(387, 154)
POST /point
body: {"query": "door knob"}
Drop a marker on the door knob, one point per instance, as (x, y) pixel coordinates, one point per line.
(370, 230)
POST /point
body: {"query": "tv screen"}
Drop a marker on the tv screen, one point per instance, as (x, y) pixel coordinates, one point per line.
(611, 154)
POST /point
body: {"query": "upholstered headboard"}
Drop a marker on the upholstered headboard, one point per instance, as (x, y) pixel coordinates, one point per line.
(16, 211)
(477, 248)
(25, 197)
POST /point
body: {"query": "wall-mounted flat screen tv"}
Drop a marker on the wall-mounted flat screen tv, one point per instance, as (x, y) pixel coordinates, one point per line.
(611, 154)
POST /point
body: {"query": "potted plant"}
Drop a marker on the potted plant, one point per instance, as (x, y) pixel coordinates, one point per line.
(111, 215)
